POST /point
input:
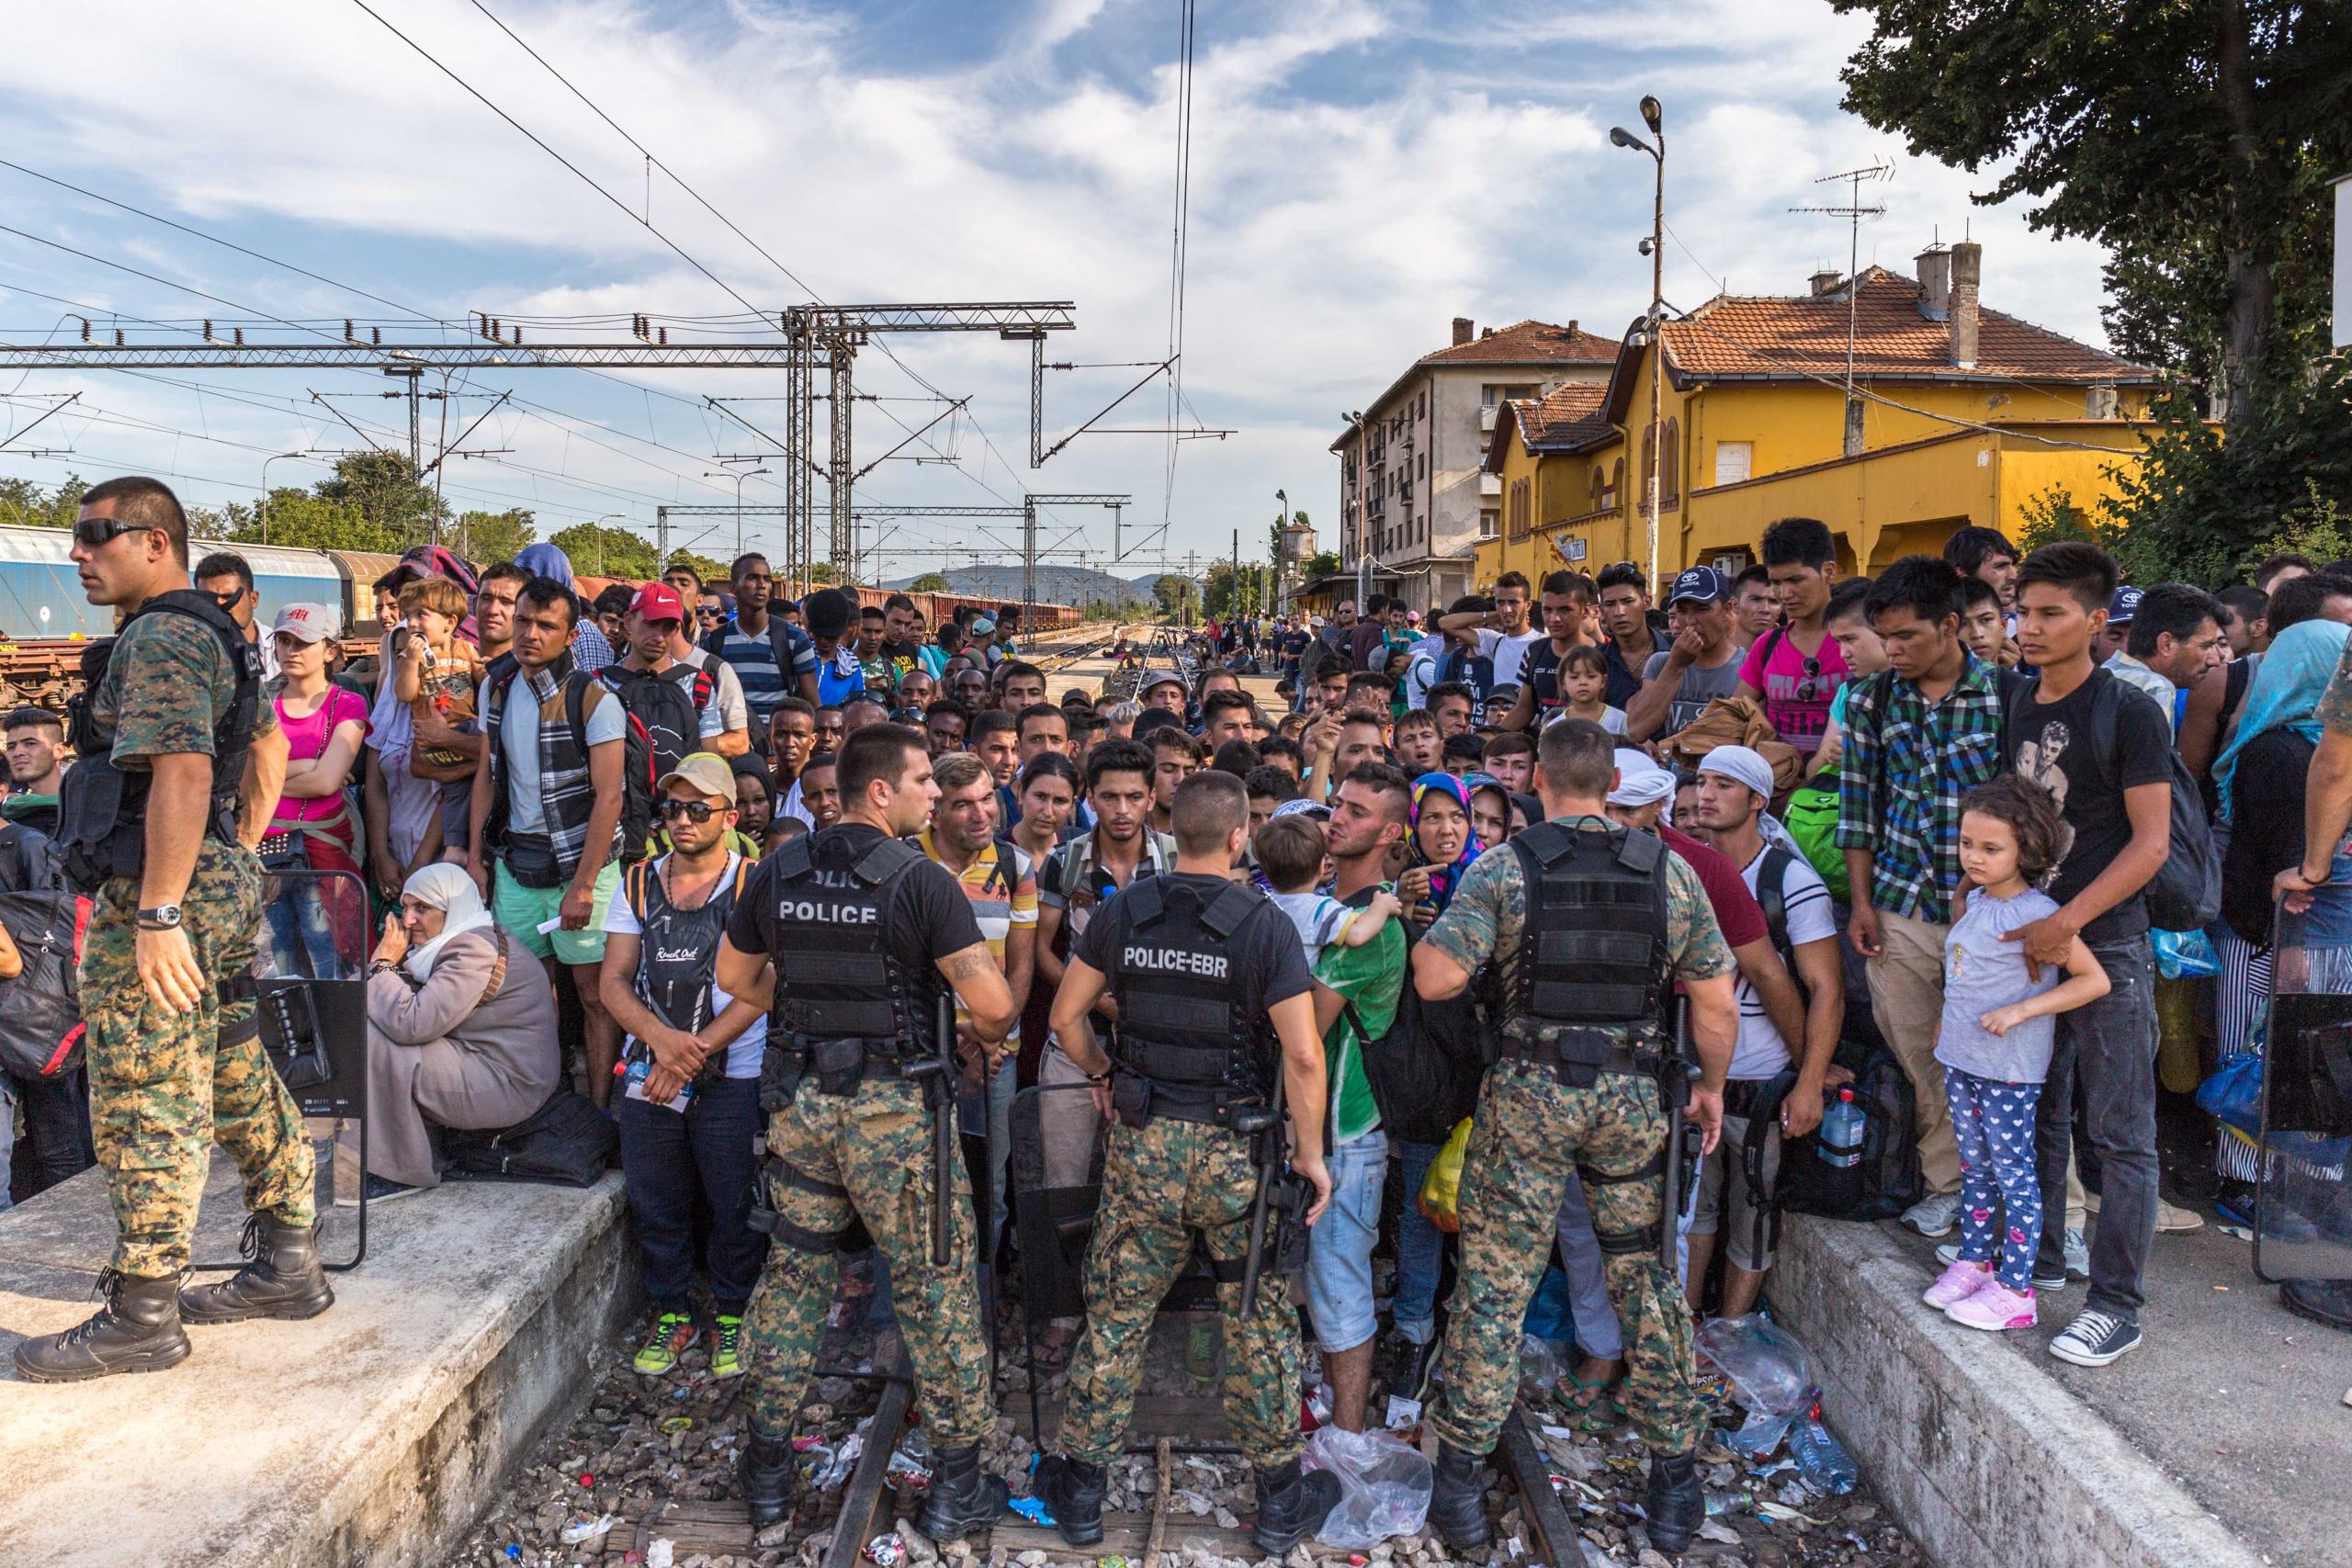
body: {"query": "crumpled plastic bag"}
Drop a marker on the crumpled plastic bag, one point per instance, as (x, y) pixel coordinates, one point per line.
(1769, 1369)
(2186, 955)
(1384, 1485)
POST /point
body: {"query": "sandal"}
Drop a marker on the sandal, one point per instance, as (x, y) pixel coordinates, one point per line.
(1595, 1398)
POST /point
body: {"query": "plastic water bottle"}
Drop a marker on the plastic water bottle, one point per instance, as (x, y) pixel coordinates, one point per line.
(1821, 1458)
(1840, 1143)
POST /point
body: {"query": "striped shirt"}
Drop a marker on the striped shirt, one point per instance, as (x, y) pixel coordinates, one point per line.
(1002, 900)
(755, 662)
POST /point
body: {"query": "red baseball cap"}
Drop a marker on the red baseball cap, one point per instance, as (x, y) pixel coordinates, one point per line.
(658, 602)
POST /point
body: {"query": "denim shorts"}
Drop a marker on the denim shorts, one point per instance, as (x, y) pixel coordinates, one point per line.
(1338, 1249)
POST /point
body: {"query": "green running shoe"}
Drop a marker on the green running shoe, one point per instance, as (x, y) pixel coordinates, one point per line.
(672, 1335)
(726, 1348)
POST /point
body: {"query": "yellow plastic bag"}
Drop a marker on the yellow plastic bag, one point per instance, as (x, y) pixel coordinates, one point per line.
(1441, 1190)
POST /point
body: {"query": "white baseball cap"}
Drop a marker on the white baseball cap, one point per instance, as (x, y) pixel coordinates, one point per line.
(312, 623)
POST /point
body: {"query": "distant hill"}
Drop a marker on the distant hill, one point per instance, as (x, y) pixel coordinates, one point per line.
(1057, 584)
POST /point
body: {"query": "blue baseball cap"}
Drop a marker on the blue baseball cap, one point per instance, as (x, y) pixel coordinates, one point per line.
(1703, 583)
(2124, 605)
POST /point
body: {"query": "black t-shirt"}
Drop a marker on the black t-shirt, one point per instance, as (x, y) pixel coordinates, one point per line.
(1625, 679)
(927, 917)
(2265, 828)
(1266, 964)
(2057, 745)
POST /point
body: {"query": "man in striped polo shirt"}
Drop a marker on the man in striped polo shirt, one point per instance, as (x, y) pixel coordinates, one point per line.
(1001, 881)
(771, 657)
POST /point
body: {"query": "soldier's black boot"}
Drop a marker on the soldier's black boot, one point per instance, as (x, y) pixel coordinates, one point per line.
(764, 1471)
(1676, 1503)
(284, 1280)
(137, 1331)
(964, 1497)
(1458, 1500)
(1072, 1490)
(1290, 1506)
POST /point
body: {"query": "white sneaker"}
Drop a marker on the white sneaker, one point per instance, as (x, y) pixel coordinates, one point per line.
(1935, 1215)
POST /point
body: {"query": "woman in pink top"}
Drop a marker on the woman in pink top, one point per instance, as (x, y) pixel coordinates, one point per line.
(313, 826)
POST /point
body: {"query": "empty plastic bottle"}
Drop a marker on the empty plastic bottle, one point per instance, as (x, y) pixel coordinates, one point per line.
(1821, 1458)
(1840, 1142)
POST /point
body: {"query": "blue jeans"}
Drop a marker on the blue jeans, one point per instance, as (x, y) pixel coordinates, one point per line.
(667, 1157)
(57, 1131)
(1338, 1249)
(1421, 1249)
(301, 935)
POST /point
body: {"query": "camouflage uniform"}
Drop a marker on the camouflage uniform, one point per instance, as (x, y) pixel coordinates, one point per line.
(875, 1148)
(1159, 1184)
(1531, 1132)
(161, 1088)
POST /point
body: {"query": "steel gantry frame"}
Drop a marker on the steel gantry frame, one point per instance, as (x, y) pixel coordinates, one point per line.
(811, 336)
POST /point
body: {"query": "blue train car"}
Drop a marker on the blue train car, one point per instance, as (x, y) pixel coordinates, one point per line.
(40, 596)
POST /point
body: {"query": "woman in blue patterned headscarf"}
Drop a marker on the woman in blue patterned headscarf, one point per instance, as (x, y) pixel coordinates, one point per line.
(1442, 844)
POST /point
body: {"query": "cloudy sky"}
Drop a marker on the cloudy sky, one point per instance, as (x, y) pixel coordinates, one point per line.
(1362, 172)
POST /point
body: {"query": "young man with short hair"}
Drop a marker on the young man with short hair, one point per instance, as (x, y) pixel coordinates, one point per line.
(1510, 756)
(1703, 665)
(1225, 716)
(37, 755)
(1795, 670)
(1041, 728)
(1453, 705)
(1987, 555)
(545, 833)
(1568, 601)
(1631, 630)
(1504, 634)
(1984, 625)
(494, 608)
(1915, 739)
(1175, 757)
(2105, 751)
(1755, 609)
(1020, 684)
(944, 725)
(770, 656)
(2175, 638)
(1418, 741)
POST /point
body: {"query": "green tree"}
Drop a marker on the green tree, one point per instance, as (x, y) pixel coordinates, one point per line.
(2194, 140)
(597, 551)
(302, 519)
(382, 488)
(1175, 594)
(24, 503)
(486, 537)
(709, 570)
(931, 582)
(1323, 563)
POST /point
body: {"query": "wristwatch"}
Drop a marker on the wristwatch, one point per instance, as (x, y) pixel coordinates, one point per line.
(161, 918)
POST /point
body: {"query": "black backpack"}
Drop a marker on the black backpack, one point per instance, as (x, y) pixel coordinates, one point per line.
(1887, 1181)
(664, 726)
(40, 1010)
(565, 1143)
(2186, 893)
(1426, 1070)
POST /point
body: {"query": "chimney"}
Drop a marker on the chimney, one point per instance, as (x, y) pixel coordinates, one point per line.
(1826, 282)
(1934, 283)
(1967, 270)
(1461, 331)
(1486, 332)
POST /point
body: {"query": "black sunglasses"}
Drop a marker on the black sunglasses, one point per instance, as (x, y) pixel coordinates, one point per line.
(93, 532)
(1811, 686)
(695, 811)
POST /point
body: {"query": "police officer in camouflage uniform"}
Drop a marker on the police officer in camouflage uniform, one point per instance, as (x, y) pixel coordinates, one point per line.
(180, 765)
(865, 938)
(1214, 1001)
(1586, 924)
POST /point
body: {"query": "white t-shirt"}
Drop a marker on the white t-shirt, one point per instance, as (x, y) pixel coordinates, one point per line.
(1761, 1052)
(726, 712)
(1507, 652)
(743, 1052)
(519, 734)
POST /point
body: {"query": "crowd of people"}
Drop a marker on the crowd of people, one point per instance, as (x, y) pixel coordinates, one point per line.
(1449, 871)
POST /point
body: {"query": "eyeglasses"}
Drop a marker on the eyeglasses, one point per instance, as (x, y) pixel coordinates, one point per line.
(1810, 687)
(92, 533)
(695, 811)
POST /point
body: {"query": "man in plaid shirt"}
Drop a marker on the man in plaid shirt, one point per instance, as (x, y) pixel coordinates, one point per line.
(1919, 735)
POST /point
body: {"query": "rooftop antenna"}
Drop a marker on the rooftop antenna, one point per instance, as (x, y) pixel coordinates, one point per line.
(1853, 211)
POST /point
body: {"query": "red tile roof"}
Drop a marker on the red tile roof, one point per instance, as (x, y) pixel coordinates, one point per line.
(1528, 343)
(1778, 336)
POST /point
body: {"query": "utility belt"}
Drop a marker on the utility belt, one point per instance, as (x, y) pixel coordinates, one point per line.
(1579, 1057)
(1138, 1099)
(834, 1066)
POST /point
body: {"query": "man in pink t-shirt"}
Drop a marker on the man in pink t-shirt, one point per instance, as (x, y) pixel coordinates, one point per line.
(1796, 668)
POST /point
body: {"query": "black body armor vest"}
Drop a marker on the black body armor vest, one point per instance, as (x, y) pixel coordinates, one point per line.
(1593, 955)
(836, 980)
(102, 809)
(1182, 1031)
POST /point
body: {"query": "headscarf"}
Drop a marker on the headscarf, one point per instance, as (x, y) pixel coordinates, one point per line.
(447, 888)
(2286, 691)
(544, 559)
(1475, 782)
(1443, 879)
(1641, 781)
(1746, 766)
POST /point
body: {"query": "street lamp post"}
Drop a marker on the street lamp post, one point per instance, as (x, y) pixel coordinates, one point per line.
(1280, 566)
(265, 462)
(599, 526)
(739, 478)
(1654, 116)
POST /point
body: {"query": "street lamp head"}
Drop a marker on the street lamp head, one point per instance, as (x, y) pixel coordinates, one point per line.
(1653, 113)
(1620, 137)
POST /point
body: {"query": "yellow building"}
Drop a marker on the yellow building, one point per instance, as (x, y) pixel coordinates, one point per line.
(1960, 415)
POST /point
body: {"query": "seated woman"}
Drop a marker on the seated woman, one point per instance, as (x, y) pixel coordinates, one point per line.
(460, 1029)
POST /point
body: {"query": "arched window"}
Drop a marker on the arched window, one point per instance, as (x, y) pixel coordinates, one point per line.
(1617, 483)
(1670, 468)
(1595, 501)
(1642, 479)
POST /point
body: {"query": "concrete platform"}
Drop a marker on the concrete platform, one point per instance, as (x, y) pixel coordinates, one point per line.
(2222, 1443)
(367, 1435)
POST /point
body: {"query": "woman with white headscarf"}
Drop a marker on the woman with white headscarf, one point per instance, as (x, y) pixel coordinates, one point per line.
(462, 1029)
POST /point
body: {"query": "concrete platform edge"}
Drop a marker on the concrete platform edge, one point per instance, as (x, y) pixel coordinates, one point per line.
(1982, 1456)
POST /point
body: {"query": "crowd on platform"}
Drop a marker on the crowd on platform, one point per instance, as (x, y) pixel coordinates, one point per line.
(1944, 818)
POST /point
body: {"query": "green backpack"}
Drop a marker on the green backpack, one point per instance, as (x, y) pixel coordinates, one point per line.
(1812, 821)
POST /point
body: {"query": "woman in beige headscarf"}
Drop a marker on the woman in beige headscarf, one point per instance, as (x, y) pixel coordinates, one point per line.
(462, 1029)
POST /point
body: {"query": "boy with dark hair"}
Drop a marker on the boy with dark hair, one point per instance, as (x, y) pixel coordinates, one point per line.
(2105, 752)
(1797, 668)
(1986, 555)
(1984, 623)
(2243, 609)
(1568, 601)
(1754, 610)
(1268, 788)
(1630, 626)
(1417, 739)
(1282, 751)
(1510, 756)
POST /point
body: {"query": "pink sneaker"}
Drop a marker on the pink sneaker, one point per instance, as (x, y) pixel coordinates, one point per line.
(1959, 1281)
(1993, 1307)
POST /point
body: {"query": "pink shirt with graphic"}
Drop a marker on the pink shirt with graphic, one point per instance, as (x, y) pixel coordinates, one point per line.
(1798, 687)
